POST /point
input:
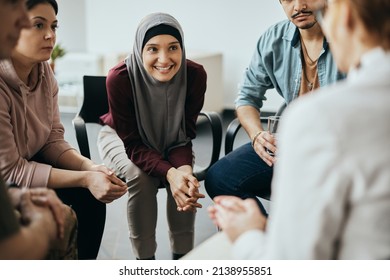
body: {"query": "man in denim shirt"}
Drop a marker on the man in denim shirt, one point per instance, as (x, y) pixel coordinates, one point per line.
(293, 57)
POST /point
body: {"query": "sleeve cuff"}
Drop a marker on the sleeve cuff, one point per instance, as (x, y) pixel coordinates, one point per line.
(161, 169)
(250, 245)
(41, 175)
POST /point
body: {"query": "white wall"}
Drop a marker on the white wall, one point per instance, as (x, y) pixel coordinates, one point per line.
(228, 26)
(72, 25)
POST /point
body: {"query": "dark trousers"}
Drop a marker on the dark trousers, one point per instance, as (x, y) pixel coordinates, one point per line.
(240, 173)
(91, 216)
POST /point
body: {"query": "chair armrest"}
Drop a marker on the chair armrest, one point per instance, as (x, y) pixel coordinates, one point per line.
(81, 135)
(281, 109)
(231, 133)
(215, 123)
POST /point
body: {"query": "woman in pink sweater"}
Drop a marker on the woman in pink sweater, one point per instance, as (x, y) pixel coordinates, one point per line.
(33, 152)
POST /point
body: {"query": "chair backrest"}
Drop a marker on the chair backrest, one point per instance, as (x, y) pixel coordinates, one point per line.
(95, 102)
(281, 109)
(94, 105)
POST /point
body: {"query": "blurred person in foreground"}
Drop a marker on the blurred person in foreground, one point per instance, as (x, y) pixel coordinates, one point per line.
(34, 224)
(331, 190)
(294, 58)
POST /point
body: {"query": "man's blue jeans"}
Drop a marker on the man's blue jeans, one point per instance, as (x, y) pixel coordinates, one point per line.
(241, 173)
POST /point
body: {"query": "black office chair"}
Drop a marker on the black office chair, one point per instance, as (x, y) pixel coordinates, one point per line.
(95, 104)
(235, 125)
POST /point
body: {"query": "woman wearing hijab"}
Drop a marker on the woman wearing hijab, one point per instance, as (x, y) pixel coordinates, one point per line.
(155, 97)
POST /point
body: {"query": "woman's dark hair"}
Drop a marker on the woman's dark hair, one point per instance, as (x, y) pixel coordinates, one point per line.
(32, 3)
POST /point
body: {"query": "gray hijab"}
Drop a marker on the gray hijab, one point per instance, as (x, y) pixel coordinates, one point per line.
(159, 106)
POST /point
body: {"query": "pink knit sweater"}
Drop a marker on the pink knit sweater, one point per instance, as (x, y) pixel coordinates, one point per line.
(31, 134)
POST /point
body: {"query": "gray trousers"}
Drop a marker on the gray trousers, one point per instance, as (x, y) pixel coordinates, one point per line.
(142, 201)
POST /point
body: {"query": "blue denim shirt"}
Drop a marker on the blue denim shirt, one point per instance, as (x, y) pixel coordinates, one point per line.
(277, 64)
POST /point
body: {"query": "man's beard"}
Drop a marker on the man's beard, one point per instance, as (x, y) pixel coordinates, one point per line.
(307, 25)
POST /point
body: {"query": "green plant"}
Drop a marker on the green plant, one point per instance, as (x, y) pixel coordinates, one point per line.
(57, 52)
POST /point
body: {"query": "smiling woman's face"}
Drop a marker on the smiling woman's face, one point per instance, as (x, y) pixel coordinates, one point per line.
(36, 43)
(162, 57)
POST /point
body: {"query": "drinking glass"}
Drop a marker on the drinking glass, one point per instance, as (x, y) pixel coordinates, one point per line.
(273, 124)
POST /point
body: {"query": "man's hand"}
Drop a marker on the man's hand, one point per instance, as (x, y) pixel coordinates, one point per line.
(265, 141)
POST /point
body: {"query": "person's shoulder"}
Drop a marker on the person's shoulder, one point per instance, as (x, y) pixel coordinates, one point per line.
(279, 29)
(322, 103)
(118, 69)
(118, 72)
(45, 66)
(194, 66)
(8, 77)
(47, 73)
(277, 36)
(195, 69)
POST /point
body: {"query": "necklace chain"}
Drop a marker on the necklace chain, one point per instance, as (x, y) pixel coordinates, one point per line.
(310, 84)
(307, 54)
